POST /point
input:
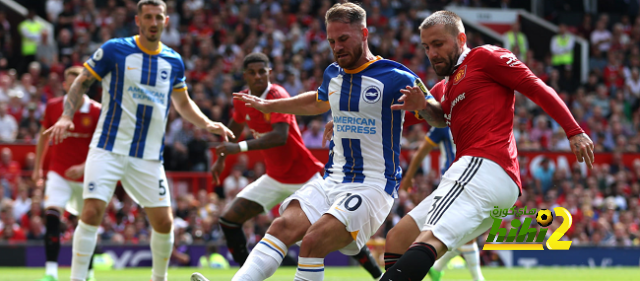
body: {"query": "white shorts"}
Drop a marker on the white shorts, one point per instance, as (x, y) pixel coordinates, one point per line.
(269, 192)
(361, 208)
(458, 210)
(144, 180)
(62, 193)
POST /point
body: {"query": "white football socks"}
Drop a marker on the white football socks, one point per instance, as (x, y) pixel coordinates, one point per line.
(310, 269)
(472, 256)
(161, 248)
(84, 243)
(263, 260)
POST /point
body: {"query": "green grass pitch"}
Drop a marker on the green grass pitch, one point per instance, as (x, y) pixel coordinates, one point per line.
(351, 274)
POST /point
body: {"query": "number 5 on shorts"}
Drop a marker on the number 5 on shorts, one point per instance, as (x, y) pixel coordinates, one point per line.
(163, 190)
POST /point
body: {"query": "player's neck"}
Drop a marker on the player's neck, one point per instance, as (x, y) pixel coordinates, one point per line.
(152, 46)
(368, 56)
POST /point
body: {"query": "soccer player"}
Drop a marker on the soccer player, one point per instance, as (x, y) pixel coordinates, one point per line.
(477, 105)
(362, 175)
(407, 229)
(289, 164)
(139, 75)
(63, 189)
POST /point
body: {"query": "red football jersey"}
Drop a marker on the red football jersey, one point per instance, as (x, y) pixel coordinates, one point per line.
(291, 163)
(74, 149)
(479, 100)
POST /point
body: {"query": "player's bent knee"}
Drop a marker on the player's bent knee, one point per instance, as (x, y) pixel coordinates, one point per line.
(288, 233)
(162, 224)
(92, 211)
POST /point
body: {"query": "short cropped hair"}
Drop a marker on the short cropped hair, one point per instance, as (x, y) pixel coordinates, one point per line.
(152, 3)
(451, 22)
(347, 13)
(74, 70)
(255, 57)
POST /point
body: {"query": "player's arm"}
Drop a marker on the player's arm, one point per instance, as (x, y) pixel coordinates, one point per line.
(41, 150)
(420, 100)
(521, 79)
(423, 151)
(73, 102)
(190, 111)
(218, 165)
(302, 104)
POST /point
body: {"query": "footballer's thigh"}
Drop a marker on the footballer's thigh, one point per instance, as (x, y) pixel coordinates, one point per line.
(102, 172)
(146, 183)
(57, 192)
(356, 213)
(299, 211)
(257, 197)
(462, 203)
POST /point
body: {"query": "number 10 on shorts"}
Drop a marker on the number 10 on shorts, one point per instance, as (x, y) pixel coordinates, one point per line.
(351, 202)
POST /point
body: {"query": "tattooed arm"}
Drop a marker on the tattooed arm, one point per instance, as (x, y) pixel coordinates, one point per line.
(433, 114)
(73, 102)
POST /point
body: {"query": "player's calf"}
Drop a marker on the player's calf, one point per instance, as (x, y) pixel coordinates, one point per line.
(52, 241)
(268, 254)
(399, 239)
(240, 211)
(161, 220)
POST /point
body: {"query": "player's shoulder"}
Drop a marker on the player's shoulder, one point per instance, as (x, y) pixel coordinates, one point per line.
(169, 53)
(120, 43)
(277, 92)
(490, 52)
(55, 101)
(332, 70)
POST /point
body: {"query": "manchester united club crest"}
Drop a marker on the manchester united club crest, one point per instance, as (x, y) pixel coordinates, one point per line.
(459, 75)
(86, 121)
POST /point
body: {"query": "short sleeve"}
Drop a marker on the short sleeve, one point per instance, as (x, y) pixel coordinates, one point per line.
(238, 114)
(179, 82)
(405, 79)
(46, 118)
(323, 91)
(275, 117)
(102, 61)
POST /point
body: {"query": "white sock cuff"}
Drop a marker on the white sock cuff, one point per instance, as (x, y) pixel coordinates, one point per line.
(310, 264)
(162, 236)
(468, 248)
(87, 227)
(275, 244)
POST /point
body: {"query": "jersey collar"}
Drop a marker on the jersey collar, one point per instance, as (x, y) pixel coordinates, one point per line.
(147, 51)
(362, 67)
(85, 103)
(264, 94)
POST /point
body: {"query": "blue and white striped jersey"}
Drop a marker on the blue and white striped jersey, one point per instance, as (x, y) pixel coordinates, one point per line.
(366, 138)
(442, 137)
(136, 95)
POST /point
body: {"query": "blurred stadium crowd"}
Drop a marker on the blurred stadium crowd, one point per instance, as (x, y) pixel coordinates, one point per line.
(214, 36)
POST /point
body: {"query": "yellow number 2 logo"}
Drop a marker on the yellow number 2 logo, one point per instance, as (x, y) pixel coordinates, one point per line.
(552, 242)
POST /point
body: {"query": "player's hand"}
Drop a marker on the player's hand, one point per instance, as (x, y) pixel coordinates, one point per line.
(74, 172)
(328, 133)
(220, 129)
(406, 184)
(36, 176)
(216, 170)
(582, 147)
(253, 101)
(60, 130)
(227, 148)
(413, 99)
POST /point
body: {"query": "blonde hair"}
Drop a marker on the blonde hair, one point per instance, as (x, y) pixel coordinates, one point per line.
(347, 13)
(451, 21)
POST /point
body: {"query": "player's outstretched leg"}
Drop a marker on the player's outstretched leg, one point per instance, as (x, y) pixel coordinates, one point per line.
(471, 254)
(52, 244)
(85, 238)
(326, 235)
(366, 259)
(267, 255)
(417, 260)
(399, 239)
(240, 211)
(161, 220)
